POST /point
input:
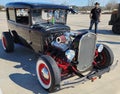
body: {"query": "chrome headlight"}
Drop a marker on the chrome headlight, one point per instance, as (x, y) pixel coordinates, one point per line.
(70, 54)
(100, 48)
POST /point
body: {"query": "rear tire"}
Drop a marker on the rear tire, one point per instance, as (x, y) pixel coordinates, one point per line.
(7, 42)
(48, 73)
(105, 58)
(116, 29)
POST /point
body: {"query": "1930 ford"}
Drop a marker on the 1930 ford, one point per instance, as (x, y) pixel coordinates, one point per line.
(42, 28)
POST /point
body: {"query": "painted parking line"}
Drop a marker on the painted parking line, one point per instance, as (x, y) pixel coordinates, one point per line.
(0, 91)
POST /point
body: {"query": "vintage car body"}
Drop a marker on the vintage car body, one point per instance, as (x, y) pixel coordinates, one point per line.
(42, 28)
(22, 24)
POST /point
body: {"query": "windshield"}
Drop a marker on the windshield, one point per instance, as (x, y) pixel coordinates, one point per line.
(48, 16)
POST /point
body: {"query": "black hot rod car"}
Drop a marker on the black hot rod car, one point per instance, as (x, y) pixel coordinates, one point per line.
(42, 28)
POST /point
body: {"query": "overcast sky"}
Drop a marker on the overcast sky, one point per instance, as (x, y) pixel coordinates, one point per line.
(69, 2)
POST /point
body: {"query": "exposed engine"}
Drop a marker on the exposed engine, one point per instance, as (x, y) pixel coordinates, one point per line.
(63, 43)
(72, 48)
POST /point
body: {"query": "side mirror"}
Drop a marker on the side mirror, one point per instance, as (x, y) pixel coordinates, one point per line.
(72, 11)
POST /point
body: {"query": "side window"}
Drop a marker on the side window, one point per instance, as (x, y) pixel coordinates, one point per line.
(36, 16)
(11, 14)
(22, 16)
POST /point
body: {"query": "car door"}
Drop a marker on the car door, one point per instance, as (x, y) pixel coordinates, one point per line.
(36, 36)
(22, 23)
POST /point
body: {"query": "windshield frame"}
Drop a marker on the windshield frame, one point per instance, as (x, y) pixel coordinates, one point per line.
(48, 20)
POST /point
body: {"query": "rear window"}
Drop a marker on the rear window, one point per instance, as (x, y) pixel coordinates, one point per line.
(22, 16)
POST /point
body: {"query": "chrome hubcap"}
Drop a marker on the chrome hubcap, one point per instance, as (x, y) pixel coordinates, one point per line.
(45, 73)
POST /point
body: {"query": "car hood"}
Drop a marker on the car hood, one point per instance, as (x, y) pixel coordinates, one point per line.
(52, 27)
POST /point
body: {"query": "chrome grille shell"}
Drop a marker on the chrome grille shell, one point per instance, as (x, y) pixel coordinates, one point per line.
(86, 51)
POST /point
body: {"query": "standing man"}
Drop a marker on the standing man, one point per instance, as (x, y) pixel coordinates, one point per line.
(95, 15)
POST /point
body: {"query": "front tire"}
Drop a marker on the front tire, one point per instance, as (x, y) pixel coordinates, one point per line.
(7, 42)
(105, 58)
(48, 73)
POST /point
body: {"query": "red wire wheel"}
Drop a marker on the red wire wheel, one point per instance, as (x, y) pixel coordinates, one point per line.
(105, 58)
(48, 73)
(4, 43)
(7, 42)
(44, 74)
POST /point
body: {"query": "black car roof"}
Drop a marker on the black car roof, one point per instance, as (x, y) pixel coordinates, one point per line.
(34, 5)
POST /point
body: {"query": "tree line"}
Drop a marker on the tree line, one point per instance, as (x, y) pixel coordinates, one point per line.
(112, 4)
(1, 7)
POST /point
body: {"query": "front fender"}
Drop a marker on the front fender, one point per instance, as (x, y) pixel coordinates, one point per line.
(109, 51)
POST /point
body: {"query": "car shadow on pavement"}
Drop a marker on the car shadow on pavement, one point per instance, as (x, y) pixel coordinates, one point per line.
(25, 59)
(111, 42)
(105, 32)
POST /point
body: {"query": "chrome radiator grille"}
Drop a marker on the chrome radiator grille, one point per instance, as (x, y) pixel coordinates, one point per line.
(87, 45)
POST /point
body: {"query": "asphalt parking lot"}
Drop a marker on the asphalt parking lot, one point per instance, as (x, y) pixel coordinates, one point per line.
(17, 70)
